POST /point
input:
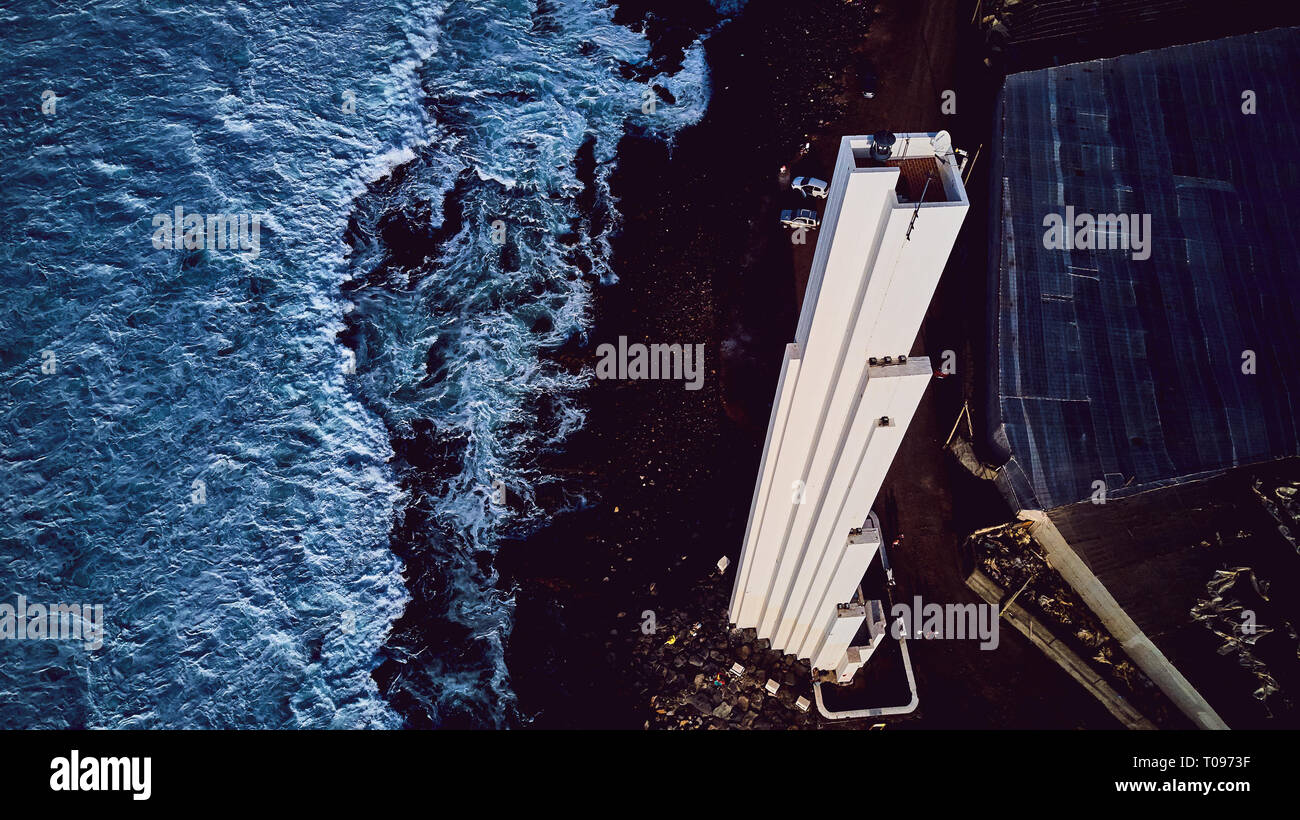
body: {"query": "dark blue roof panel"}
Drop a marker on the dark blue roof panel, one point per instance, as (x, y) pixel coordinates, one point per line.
(1126, 370)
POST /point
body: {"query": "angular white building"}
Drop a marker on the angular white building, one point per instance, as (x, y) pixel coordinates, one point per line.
(847, 392)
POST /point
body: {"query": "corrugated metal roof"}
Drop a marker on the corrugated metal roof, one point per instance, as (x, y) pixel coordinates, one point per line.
(1129, 371)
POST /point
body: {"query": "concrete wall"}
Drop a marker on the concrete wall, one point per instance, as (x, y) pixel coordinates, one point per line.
(844, 624)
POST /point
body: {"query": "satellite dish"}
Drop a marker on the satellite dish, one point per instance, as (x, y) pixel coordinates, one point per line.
(942, 143)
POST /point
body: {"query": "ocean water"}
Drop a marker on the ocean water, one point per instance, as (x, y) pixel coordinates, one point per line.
(238, 452)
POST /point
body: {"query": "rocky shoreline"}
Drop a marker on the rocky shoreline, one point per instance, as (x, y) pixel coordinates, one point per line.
(691, 683)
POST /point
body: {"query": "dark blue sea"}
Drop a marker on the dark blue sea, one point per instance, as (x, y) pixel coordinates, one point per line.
(205, 439)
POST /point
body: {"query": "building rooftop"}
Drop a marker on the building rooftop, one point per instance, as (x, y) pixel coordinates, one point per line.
(925, 174)
(1030, 20)
(1107, 367)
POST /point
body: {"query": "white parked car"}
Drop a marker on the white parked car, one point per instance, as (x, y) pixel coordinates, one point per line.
(810, 186)
(801, 218)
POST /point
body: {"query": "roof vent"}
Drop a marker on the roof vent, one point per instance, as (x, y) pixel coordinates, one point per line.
(882, 145)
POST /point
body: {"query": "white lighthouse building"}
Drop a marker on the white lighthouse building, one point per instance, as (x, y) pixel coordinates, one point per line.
(847, 392)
